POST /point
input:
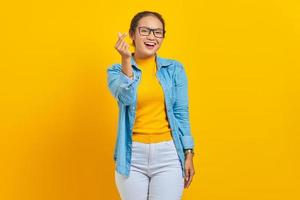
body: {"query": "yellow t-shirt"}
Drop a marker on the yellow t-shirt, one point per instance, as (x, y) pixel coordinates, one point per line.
(151, 122)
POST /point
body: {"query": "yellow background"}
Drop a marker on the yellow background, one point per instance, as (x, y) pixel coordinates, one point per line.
(59, 121)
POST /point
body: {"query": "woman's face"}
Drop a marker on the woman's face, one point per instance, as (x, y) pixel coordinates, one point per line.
(147, 46)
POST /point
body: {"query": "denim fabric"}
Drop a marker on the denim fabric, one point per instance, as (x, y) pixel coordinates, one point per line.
(155, 173)
(173, 79)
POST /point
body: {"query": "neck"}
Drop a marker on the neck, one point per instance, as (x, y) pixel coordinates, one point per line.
(139, 57)
(146, 61)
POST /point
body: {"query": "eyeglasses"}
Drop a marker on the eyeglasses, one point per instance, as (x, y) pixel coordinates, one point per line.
(158, 32)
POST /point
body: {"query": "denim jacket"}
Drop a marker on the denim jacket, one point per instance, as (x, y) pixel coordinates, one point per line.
(173, 79)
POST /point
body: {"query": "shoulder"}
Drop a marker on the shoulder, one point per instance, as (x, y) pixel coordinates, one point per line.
(171, 63)
(177, 68)
(175, 65)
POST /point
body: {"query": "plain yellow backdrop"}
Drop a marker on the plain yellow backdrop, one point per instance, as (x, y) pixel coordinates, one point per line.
(59, 121)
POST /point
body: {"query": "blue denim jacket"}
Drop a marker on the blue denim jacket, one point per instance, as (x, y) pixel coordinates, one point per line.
(173, 79)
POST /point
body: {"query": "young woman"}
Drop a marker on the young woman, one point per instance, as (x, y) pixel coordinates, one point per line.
(154, 146)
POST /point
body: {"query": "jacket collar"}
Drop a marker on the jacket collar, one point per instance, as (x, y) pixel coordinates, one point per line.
(160, 62)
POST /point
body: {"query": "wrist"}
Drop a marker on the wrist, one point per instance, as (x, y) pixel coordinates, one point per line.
(126, 67)
(189, 152)
(126, 60)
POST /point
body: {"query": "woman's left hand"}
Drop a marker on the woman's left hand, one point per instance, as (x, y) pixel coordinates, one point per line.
(189, 170)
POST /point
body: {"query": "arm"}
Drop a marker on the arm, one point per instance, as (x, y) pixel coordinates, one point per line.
(120, 85)
(120, 77)
(181, 107)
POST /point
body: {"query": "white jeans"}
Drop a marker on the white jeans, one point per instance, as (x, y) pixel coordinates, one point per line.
(155, 173)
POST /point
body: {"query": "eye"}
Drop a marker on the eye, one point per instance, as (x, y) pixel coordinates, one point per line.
(144, 30)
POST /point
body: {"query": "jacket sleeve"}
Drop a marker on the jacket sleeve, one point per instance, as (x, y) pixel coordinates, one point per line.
(181, 107)
(120, 85)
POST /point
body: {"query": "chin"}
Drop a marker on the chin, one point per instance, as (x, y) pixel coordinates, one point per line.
(147, 53)
(150, 54)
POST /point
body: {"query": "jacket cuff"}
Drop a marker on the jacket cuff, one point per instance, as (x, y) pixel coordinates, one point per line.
(125, 81)
(187, 141)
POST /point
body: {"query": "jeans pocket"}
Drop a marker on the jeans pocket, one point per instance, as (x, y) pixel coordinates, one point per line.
(170, 144)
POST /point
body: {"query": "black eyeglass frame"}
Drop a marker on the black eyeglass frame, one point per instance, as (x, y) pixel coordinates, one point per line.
(151, 30)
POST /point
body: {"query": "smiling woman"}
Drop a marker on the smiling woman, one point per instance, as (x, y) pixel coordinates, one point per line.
(154, 146)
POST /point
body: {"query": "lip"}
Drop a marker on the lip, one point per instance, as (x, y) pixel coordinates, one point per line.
(150, 47)
(150, 42)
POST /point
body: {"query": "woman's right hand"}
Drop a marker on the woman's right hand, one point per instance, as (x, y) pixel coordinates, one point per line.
(122, 47)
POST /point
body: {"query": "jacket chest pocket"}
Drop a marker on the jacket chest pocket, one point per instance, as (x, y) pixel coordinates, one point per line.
(169, 90)
(173, 95)
(170, 94)
(172, 91)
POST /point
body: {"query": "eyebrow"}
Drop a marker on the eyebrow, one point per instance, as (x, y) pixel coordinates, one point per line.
(152, 28)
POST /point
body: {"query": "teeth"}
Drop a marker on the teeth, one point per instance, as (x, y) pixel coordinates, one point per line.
(150, 43)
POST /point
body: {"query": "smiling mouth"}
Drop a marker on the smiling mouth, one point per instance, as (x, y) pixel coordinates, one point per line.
(150, 45)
